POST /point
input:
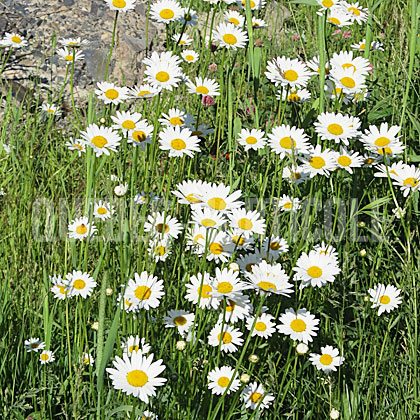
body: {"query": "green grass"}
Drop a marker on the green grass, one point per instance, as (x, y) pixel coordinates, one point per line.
(47, 185)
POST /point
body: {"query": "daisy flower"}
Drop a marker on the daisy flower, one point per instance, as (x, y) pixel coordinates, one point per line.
(235, 308)
(255, 396)
(203, 86)
(220, 378)
(196, 238)
(68, 55)
(328, 361)
(218, 197)
(159, 249)
(77, 145)
(126, 121)
(288, 140)
(337, 127)
(190, 56)
(162, 71)
(286, 203)
(166, 11)
(182, 40)
(60, 288)
(234, 17)
(301, 326)
(248, 261)
(338, 17)
(177, 117)
(319, 162)
(103, 210)
(274, 246)
(80, 284)
(349, 81)
(208, 218)
(87, 359)
(102, 140)
(315, 269)
(269, 278)
(189, 17)
(179, 141)
(121, 5)
(287, 72)
(47, 356)
(345, 60)
(264, 327)
(313, 64)
(181, 320)
(202, 130)
(258, 23)
(141, 135)
(229, 337)
(357, 13)
(135, 344)
(295, 174)
(148, 415)
(227, 284)
(163, 225)
(377, 138)
(374, 46)
(386, 298)
(51, 109)
(240, 242)
(327, 4)
(81, 228)
(327, 250)
(34, 344)
(73, 42)
(201, 288)
(407, 178)
(143, 91)
(254, 4)
(190, 192)
(246, 222)
(137, 375)
(218, 247)
(296, 96)
(110, 93)
(252, 139)
(230, 36)
(348, 159)
(14, 40)
(145, 290)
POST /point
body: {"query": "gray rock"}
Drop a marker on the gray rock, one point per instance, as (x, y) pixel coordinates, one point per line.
(68, 3)
(96, 60)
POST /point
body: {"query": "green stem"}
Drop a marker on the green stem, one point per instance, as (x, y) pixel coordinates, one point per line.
(112, 45)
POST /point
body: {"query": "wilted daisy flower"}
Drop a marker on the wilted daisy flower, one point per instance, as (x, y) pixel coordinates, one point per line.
(348, 159)
(269, 278)
(218, 197)
(141, 135)
(374, 46)
(315, 269)
(386, 298)
(328, 360)
(137, 375)
(182, 40)
(274, 246)
(13, 40)
(229, 337)
(230, 36)
(143, 91)
(254, 4)
(162, 225)
(121, 5)
(286, 203)
(349, 81)
(81, 228)
(208, 218)
(103, 210)
(264, 327)
(135, 344)
(34, 344)
(338, 17)
(319, 162)
(255, 396)
(234, 17)
(87, 359)
(357, 13)
(337, 127)
(246, 222)
(296, 96)
(288, 140)
(73, 42)
(235, 308)
(295, 174)
(407, 178)
(47, 356)
(177, 117)
(126, 121)
(166, 11)
(162, 71)
(110, 93)
(179, 319)
(203, 86)
(51, 109)
(101, 139)
(219, 379)
(200, 289)
(252, 139)
(80, 284)
(60, 288)
(68, 55)
(145, 291)
(258, 23)
(300, 326)
(121, 190)
(190, 56)
(190, 192)
(227, 284)
(287, 72)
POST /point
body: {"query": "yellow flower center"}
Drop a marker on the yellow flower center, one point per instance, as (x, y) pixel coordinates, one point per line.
(79, 284)
(314, 272)
(255, 397)
(202, 89)
(286, 143)
(16, 39)
(266, 285)
(162, 76)
(81, 230)
(34, 345)
(298, 325)
(382, 141)
(230, 39)
(139, 136)
(208, 222)
(293, 97)
(137, 378)
(63, 291)
(143, 292)
(223, 381)
(44, 356)
(119, 3)
(205, 291)
(387, 150)
(224, 287)
(99, 141)
(102, 210)
(288, 205)
(317, 162)
(326, 359)
(362, 46)
(128, 125)
(144, 92)
(275, 246)
(178, 144)
(348, 82)
(248, 268)
(349, 65)
(192, 199)
(334, 20)
(180, 320)
(226, 338)
(290, 75)
(327, 3)
(160, 250)
(69, 57)
(251, 140)
(112, 94)
(162, 228)
(217, 203)
(335, 129)
(167, 14)
(384, 300)
(231, 306)
(238, 240)
(215, 248)
(344, 161)
(245, 224)
(354, 11)
(412, 182)
(189, 57)
(234, 21)
(176, 121)
(260, 326)
(198, 237)
(135, 348)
